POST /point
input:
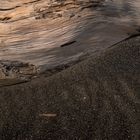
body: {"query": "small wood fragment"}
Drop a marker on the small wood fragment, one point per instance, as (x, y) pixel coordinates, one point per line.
(48, 115)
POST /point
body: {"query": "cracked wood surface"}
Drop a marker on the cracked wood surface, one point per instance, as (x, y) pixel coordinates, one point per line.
(34, 30)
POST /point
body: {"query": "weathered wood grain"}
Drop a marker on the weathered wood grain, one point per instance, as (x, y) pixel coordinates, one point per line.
(33, 30)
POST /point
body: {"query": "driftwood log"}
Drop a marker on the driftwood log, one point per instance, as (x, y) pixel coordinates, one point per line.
(34, 30)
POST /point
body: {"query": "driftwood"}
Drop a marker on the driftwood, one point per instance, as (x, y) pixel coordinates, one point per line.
(32, 31)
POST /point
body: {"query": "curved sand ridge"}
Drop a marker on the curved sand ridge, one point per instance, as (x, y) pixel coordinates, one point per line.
(95, 99)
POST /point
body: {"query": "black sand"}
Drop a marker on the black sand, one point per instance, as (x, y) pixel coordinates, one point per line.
(97, 99)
